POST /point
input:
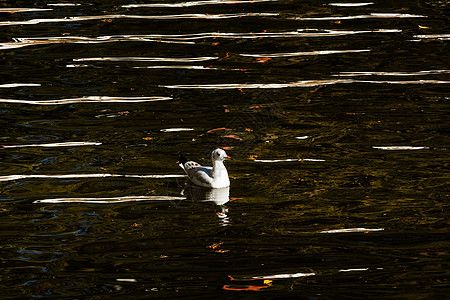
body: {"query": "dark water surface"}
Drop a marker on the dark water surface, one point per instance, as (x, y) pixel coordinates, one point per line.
(335, 114)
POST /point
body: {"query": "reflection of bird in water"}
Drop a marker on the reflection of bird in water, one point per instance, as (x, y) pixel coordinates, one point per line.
(218, 196)
(210, 177)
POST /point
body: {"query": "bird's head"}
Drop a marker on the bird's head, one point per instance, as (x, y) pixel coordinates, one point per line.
(219, 154)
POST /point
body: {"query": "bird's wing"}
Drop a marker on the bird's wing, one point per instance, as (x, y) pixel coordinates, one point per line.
(198, 174)
(201, 176)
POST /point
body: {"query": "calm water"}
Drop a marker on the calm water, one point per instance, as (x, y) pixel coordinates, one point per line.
(335, 114)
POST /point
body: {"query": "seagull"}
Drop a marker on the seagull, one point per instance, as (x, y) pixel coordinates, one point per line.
(211, 177)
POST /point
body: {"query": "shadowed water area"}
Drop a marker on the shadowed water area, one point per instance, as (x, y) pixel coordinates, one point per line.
(335, 115)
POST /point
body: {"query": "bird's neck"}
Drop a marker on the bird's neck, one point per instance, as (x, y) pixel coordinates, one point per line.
(218, 169)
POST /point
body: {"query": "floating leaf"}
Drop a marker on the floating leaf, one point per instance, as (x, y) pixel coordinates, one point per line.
(232, 136)
(263, 59)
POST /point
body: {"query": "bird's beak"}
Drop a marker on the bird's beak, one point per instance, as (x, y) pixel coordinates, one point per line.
(227, 157)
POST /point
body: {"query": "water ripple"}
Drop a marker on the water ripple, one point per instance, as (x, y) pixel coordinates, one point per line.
(110, 200)
(87, 176)
(418, 73)
(305, 83)
(353, 230)
(195, 3)
(287, 160)
(284, 276)
(369, 16)
(86, 99)
(13, 85)
(187, 67)
(350, 4)
(297, 84)
(18, 10)
(63, 4)
(393, 148)
(154, 17)
(186, 38)
(442, 37)
(148, 59)
(52, 145)
(176, 129)
(324, 52)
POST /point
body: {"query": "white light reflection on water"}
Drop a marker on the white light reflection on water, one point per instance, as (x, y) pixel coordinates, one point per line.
(148, 59)
(181, 67)
(369, 16)
(287, 160)
(284, 276)
(110, 200)
(442, 37)
(418, 73)
(354, 270)
(154, 17)
(19, 10)
(195, 3)
(87, 99)
(325, 52)
(126, 280)
(155, 67)
(87, 176)
(351, 4)
(176, 129)
(185, 38)
(393, 148)
(63, 4)
(13, 85)
(53, 145)
(353, 230)
(430, 81)
(305, 83)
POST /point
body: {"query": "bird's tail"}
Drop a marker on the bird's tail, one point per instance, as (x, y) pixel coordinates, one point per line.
(182, 159)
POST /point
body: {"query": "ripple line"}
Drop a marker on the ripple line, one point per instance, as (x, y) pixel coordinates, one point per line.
(182, 67)
(87, 99)
(110, 199)
(82, 176)
(63, 4)
(186, 38)
(287, 160)
(19, 10)
(442, 37)
(52, 145)
(353, 230)
(155, 17)
(418, 73)
(284, 276)
(351, 4)
(305, 83)
(354, 270)
(176, 129)
(13, 85)
(187, 67)
(148, 59)
(324, 52)
(393, 148)
(369, 16)
(405, 81)
(297, 84)
(195, 3)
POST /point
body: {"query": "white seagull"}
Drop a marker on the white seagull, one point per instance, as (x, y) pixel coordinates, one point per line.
(210, 177)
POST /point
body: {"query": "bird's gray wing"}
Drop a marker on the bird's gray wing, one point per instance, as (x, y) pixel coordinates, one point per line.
(200, 175)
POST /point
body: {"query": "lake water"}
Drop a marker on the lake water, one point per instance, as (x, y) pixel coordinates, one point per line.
(335, 115)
